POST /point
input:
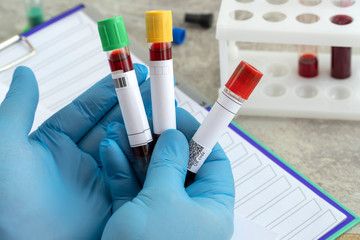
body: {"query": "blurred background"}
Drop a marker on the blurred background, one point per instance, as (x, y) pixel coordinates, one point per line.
(325, 151)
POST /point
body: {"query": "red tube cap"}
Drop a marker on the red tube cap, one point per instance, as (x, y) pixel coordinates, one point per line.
(243, 80)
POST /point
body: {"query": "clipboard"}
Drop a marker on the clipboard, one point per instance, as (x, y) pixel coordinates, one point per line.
(23, 37)
(66, 56)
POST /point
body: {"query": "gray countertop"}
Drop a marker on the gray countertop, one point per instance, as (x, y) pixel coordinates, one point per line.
(325, 151)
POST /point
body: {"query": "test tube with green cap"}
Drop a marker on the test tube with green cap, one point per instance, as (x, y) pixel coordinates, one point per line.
(115, 43)
(34, 12)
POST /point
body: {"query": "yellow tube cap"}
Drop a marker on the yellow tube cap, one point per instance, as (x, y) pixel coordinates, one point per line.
(158, 26)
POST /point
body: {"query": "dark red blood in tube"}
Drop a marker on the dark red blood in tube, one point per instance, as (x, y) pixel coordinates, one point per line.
(308, 65)
(341, 19)
(120, 60)
(341, 56)
(340, 62)
(160, 51)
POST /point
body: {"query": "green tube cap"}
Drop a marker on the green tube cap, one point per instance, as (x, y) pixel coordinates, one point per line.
(113, 33)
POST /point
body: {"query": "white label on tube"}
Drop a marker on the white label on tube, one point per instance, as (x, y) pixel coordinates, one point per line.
(132, 108)
(211, 129)
(162, 95)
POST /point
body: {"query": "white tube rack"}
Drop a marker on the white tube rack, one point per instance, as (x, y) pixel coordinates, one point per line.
(282, 92)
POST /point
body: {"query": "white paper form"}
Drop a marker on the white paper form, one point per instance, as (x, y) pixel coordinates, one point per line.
(69, 60)
(265, 193)
(245, 229)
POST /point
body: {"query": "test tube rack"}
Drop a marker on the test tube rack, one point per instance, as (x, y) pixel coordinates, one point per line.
(282, 92)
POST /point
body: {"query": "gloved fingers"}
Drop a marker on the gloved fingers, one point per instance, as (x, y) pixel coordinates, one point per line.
(90, 142)
(77, 118)
(146, 97)
(141, 72)
(117, 132)
(169, 160)
(214, 179)
(123, 184)
(17, 111)
(186, 123)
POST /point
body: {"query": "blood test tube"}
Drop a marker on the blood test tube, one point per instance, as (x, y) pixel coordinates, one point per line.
(34, 12)
(238, 89)
(308, 57)
(159, 37)
(341, 56)
(115, 43)
(308, 61)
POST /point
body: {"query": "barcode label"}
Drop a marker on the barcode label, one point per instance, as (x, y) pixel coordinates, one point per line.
(195, 151)
(124, 80)
(120, 82)
(197, 156)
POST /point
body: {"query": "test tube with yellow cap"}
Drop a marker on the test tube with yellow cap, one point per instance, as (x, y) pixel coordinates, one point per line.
(159, 37)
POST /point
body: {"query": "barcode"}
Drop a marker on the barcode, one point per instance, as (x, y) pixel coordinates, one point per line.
(195, 151)
(120, 82)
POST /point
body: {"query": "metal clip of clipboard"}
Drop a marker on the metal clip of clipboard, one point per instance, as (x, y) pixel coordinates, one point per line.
(12, 41)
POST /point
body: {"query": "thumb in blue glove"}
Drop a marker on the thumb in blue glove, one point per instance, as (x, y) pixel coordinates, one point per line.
(51, 183)
(164, 209)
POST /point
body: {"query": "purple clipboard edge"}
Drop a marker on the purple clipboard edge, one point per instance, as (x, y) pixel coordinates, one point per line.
(351, 219)
(53, 20)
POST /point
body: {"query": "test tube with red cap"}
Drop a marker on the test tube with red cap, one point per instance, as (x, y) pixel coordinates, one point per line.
(115, 43)
(159, 37)
(238, 89)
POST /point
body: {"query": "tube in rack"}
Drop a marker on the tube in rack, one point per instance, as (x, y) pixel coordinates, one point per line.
(159, 37)
(115, 43)
(308, 61)
(238, 89)
(341, 56)
(308, 55)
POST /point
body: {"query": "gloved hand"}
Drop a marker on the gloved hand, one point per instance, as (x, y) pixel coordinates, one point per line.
(122, 139)
(164, 209)
(51, 183)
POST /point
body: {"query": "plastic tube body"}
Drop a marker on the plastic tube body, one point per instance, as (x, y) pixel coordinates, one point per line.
(131, 105)
(341, 56)
(237, 89)
(308, 55)
(215, 123)
(162, 87)
(340, 62)
(308, 61)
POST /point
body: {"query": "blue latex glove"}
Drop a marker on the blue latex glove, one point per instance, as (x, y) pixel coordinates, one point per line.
(51, 183)
(164, 209)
